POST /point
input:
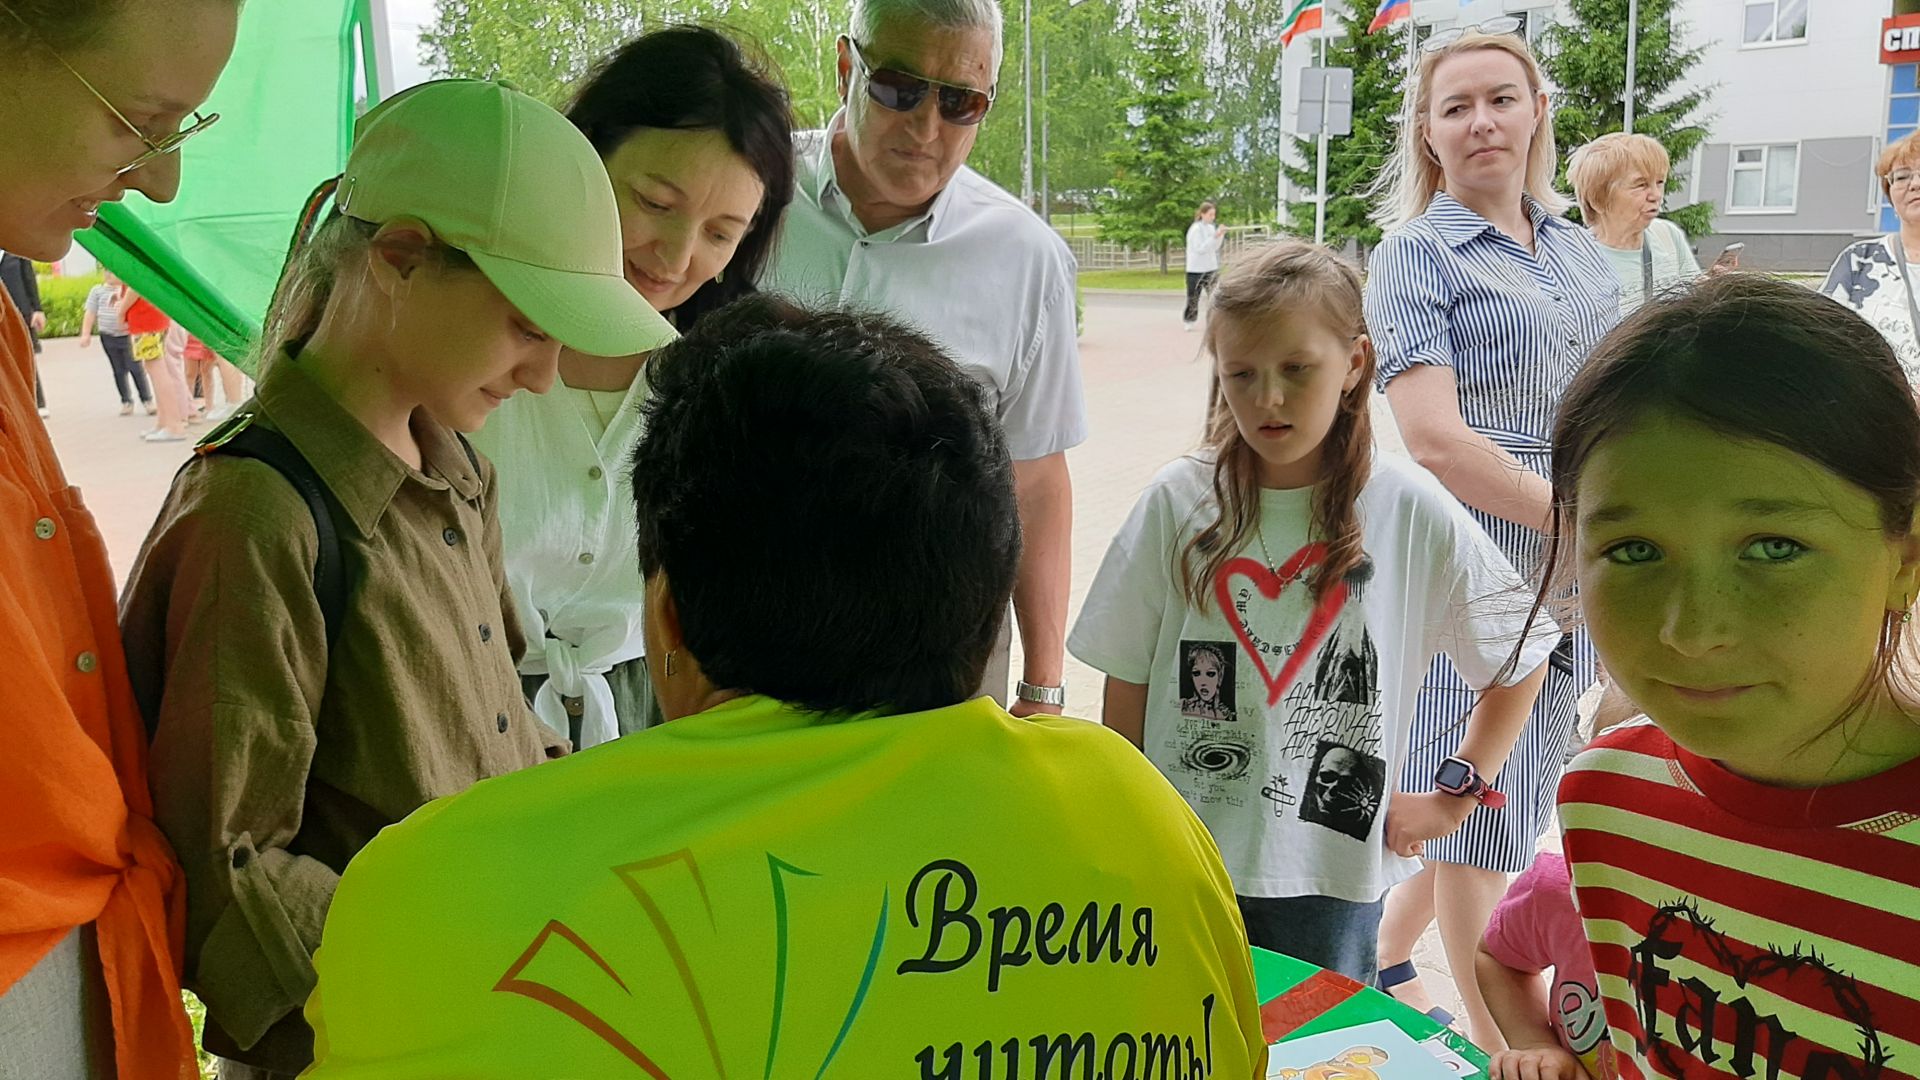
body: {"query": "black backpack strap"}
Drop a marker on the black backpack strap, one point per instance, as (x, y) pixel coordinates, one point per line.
(329, 566)
(473, 458)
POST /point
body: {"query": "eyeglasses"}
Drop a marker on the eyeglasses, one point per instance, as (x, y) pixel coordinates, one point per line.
(1900, 178)
(1505, 24)
(903, 92)
(156, 148)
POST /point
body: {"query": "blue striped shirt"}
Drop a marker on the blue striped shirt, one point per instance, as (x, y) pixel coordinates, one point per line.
(1449, 288)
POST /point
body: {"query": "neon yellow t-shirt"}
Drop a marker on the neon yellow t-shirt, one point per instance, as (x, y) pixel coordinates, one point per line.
(751, 893)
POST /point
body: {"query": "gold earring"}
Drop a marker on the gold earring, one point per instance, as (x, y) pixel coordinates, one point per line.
(670, 653)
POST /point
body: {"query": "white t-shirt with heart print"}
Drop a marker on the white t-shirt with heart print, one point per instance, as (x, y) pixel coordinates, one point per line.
(1283, 721)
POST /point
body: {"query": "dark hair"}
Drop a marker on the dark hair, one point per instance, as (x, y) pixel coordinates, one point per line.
(61, 24)
(1752, 358)
(694, 78)
(831, 500)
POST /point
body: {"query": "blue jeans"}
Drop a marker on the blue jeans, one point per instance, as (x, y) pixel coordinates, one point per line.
(1338, 935)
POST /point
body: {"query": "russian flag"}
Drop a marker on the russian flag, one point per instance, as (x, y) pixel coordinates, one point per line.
(1391, 11)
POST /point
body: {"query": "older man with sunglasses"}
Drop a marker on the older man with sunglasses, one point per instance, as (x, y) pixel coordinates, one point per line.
(886, 216)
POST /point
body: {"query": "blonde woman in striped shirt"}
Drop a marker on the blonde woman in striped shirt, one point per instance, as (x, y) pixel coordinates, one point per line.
(1483, 301)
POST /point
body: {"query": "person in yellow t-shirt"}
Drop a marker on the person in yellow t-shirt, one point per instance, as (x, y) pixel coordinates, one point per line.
(829, 862)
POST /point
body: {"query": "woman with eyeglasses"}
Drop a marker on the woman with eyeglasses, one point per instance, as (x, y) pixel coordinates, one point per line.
(1876, 277)
(97, 94)
(697, 137)
(1483, 301)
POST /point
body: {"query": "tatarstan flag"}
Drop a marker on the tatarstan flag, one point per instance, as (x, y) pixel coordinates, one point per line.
(1306, 15)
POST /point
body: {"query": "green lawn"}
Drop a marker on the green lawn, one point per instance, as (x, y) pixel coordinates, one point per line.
(1077, 225)
(1142, 280)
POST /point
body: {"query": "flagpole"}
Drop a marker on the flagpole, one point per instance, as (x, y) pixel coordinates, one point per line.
(1633, 41)
(1413, 58)
(1320, 157)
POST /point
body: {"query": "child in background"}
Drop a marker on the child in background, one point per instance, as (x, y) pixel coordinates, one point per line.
(157, 344)
(1266, 613)
(104, 315)
(1735, 475)
(1556, 1029)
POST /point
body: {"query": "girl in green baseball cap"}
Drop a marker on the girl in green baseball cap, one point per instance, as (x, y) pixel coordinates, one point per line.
(318, 629)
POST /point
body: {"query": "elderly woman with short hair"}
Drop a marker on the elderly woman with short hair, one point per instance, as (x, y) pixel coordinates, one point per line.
(1875, 277)
(1620, 180)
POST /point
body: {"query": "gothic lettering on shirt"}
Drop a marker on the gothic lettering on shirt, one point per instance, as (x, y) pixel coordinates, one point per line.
(1701, 1001)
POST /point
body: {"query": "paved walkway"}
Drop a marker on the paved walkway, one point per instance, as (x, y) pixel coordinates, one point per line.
(1146, 388)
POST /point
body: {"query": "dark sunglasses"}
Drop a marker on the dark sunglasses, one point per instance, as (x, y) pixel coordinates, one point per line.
(901, 92)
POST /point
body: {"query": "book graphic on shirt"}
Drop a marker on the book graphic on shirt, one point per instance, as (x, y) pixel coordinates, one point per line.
(668, 936)
(1372, 1051)
(648, 971)
(1710, 1005)
(1207, 680)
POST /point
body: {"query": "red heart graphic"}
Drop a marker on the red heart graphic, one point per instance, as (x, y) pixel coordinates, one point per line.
(1270, 586)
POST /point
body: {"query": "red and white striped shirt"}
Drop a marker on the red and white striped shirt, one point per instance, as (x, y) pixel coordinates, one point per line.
(1743, 930)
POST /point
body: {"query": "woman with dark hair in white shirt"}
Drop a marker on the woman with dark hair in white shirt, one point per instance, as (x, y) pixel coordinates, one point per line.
(697, 138)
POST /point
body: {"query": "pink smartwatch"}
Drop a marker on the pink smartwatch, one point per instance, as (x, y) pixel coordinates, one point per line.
(1457, 776)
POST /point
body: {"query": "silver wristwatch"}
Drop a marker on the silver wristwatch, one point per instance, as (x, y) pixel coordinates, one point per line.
(1041, 695)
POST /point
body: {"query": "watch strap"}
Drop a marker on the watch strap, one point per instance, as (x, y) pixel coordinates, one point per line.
(1041, 695)
(1476, 787)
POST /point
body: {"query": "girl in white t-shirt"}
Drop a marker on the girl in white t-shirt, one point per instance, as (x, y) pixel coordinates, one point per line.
(1267, 612)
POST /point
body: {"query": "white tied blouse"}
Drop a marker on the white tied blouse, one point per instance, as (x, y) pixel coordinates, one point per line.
(566, 516)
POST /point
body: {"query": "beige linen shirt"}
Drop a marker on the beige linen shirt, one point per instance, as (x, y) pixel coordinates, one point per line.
(274, 762)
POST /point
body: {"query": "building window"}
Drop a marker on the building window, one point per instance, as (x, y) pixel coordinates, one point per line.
(1772, 22)
(1765, 180)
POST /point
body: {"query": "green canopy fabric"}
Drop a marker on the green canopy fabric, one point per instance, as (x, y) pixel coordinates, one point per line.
(301, 70)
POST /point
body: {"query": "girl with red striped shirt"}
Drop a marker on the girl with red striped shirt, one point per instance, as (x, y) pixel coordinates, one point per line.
(1735, 472)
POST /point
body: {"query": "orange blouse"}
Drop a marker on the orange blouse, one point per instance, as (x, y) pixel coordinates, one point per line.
(78, 844)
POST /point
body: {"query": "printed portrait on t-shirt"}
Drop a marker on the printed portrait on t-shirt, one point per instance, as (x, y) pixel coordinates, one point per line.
(1207, 680)
(1344, 790)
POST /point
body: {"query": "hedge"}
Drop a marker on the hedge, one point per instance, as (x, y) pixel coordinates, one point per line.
(64, 299)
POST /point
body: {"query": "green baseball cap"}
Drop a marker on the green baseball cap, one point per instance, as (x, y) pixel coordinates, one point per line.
(521, 191)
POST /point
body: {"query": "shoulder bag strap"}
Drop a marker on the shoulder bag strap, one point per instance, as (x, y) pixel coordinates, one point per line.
(1646, 265)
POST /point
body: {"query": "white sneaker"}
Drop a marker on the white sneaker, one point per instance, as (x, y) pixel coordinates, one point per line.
(44, 411)
(1191, 327)
(220, 414)
(163, 435)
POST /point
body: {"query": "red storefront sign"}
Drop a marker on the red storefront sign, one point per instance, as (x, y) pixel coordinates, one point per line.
(1900, 39)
